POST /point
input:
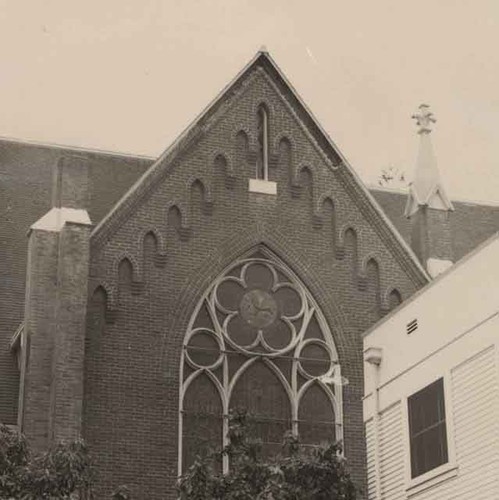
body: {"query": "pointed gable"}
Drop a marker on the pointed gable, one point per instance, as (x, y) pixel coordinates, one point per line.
(262, 68)
(195, 217)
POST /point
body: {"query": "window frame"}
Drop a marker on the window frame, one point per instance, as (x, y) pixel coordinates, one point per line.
(336, 399)
(261, 183)
(428, 400)
(441, 472)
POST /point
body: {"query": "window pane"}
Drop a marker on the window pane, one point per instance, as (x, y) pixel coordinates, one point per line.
(203, 348)
(262, 394)
(429, 450)
(427, 429)
(316, 417)
(202, 421)
(315, 359)
(426, 407)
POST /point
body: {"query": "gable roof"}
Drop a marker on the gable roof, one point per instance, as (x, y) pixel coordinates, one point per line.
(332, 155)
(471, 222)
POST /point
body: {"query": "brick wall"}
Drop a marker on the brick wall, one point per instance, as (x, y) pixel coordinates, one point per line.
(40, 324)
(26, 172)
(197, 217)
(431, 235)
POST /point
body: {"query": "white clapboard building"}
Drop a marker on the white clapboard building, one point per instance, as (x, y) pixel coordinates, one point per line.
(431, 404)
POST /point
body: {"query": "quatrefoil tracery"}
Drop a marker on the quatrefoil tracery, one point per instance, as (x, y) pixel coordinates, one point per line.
(253, 303)
(256, 308)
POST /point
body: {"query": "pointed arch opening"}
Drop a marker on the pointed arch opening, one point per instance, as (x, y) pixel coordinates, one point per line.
(125, 275)
(261, 340)
(202, 417)
(262, 163)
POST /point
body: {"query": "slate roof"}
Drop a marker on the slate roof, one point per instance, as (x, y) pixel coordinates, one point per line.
(25, 196)
(472, 222)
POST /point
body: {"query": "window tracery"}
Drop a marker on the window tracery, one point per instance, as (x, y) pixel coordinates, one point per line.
(257, 340)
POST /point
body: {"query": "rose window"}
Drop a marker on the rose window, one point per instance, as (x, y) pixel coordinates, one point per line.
(258, 341)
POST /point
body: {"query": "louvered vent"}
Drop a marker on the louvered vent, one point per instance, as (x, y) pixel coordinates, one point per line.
(412, 326)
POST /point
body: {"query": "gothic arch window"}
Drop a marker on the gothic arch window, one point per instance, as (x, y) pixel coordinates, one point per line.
(257, 340)
(262, 163)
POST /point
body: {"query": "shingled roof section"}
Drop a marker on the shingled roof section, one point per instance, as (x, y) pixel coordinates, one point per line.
(471, 222)
(25, 196)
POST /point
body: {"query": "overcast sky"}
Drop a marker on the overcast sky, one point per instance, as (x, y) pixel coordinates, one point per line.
(130, 75)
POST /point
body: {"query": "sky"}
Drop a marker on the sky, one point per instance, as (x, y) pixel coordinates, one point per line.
(130, 75)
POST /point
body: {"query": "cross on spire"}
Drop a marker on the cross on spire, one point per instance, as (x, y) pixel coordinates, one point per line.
(424, 119)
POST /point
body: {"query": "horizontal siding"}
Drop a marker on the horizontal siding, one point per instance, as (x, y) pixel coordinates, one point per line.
(371, 467)
(475, 399)
(391, 455)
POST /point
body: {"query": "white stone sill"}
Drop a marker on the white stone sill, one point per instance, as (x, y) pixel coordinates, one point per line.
(262, 186)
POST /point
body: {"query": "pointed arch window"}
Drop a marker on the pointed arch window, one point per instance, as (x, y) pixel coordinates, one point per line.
(262, 164)
(258, 340)
(261, 182)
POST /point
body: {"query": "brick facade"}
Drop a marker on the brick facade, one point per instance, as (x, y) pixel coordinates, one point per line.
(154, 256)
(431, 235)
(26, 182)
(51, 395)
(106, 313)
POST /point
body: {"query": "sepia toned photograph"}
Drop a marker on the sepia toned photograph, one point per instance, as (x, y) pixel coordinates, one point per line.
(249, 250)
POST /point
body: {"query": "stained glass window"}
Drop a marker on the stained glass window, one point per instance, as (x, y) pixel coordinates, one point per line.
(258, 342)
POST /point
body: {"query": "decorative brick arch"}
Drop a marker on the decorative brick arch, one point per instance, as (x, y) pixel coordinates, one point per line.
(111, 294)
(137, 274)
(206, 193)
(391, 298)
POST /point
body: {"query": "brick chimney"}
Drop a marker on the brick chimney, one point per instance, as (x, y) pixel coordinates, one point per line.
(51, 391)
(428, 206)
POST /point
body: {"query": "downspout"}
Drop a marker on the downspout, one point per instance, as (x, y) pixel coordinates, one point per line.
(373, 356)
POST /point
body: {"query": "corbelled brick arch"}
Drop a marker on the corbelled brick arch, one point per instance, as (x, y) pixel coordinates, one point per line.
(190, 218)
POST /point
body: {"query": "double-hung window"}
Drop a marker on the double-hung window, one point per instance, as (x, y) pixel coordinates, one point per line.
(427, 429)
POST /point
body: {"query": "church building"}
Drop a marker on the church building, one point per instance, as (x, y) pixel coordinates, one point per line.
(141, 299)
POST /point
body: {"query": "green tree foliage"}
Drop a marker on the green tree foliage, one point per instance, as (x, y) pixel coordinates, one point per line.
(63, 472)
(296, 474)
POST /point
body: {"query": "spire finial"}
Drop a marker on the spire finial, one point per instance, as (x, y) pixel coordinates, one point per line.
(424, 119)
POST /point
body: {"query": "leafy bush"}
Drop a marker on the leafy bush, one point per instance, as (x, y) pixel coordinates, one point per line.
(296, 474)
(63, 472)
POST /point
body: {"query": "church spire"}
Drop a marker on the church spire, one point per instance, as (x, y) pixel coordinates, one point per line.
(428, 206)
(426, 188)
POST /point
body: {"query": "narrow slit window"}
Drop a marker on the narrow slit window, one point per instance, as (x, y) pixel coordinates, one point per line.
(262, 165)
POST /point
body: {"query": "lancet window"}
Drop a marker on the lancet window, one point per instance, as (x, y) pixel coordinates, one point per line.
(262, 164)
(258, 341)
